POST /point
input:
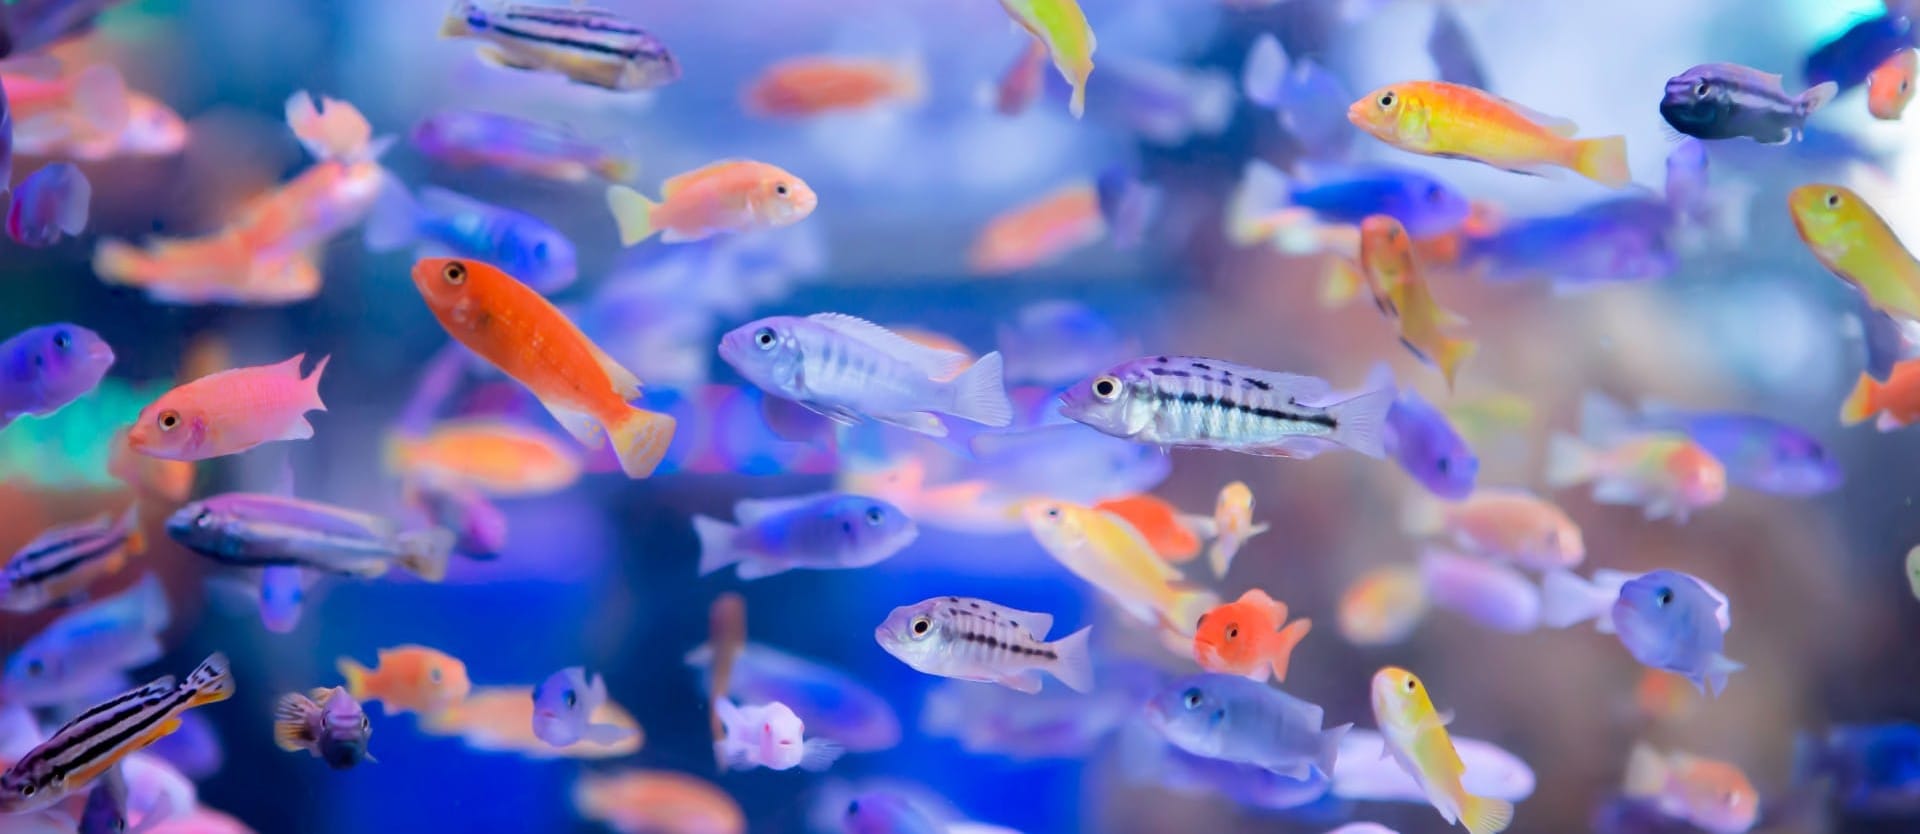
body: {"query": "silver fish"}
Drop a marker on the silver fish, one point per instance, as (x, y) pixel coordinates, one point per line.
(849, 368)
(1210, 404)
(590, 46)
(976, 640)
(60, 563)
(256, 531)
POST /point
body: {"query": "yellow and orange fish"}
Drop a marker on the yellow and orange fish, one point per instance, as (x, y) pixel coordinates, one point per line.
(529, 339)
(1039, 232)
(1233, 525)
(1852, 241)
(1889, 88)
(499, 719)
(1713, 795)
(1403, 294)
(1168, 531)
(499, 457)
(1063, 28)
(732, 195)
(96, 95)
(818, 84)
(657, 802)
(1416, 736)
(1383, 606)
(1436, 118)
(1245, 637)
(230, 412)
(1667, 475)
(1896, 401)
(1109, 554)
(411, 679)
(1504, 523)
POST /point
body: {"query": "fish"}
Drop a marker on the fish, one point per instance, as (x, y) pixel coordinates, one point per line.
(1873, 768)
(770, 736)
(1663, 698)
(977, 640)
(1198, 402)
(283, 596)
(815, 85)
(1913, 571)
(499, 457)
(527, 338)
(1059, 341)
(835, 704)
(1849, 59)
(886, 812)
(105, 809)
(224, 268)
(1383, 606)
(656, 800)
(1233, 525)
(95, 95)
(1110, 555)
(85, 649)
(1362, 773)
(727, 637)
(729, 196)
(774, 535)
(61, 563)
(1729, 101)
(1164, 104)
(1492, 594)
(1667, 620)
(194, 752)
(1452, 51)
(326, 722)
(1128, 205)
(1245, 637)
(1425, 444)
(1853, 242)
(1069, 40)
(1308, 99)
(1890, 86)
(1019, 83)
(590, 46)
(479, 526)
(563, 709)
(1892, 404)
(231, 411)
(253, 530)
(1757, 452)
(1401, 291)
(447, 223)
(1667, 474)
(1416, 736)
(44, 369)
(499, 719)
(1039, 232)
(849, 369)
(408, 678)
(51, 202)
(1435, 118)
(1172, 534)
(1054, 723)
(1424, 205)
(477, 138)
(1609, 242)
(1505, 523)
(1568, 600)
(85, 748)
(1711, 794)
(1233, 719)
(1148, 760)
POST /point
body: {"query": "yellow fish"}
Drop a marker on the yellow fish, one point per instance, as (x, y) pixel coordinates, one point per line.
(1063, 28)
(1460, 122)
(1853, 242)
(1402, 293)
(1416, 737)
(1111, 555)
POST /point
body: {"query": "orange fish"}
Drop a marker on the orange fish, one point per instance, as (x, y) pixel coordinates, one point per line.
(529, 339)
(817, 84)
(1404, 296)
(1244, 637)
(1436, 118)
(230, 412)
(1889, 88)
(657, 802)
(1168, 531)
(1713, 795)
(1896, 401)
(732, 195)
(1383, 606)
(500, 457)
(1040, 232)
(1664, 697)
(410, 679)
(97, 95)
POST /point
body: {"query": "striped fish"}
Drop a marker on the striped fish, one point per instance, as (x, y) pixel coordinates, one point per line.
(251, 530)
(1210, 404)
(94, 741)
(589, 46)
(976, 640)
(63, 561)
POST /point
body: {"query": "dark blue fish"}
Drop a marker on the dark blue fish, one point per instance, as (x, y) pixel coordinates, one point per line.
(1874, 768)
(42, 369)
(1452, 52)
(1727, 101)
(1848, 60)
(1426, 206)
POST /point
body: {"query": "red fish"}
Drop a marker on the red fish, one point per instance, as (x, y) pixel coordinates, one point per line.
(1244, 637)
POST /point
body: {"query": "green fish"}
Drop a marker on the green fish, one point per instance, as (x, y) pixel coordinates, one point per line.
(1063, 28)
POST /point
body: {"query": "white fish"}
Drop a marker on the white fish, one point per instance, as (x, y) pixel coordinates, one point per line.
(770, 736)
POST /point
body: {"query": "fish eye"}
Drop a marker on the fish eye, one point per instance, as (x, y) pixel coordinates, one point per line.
(1435, 193)
(786, 742)
(1387, 99)
(1191, 698)
(1833, 199)
(204, 519)
(780, 189)
(455, 272)
(1412, 685)
(764, 338)
(921, 625)
(567, 697)
(169, 420)
(853, 807)
(1663, 597)
(1702, 89)
(1233, 630)
(1053, 512)
(1106, 389)
(1443, 465)
(28, 789)
(35, 668)
(540, 250)
(62, 340)
(434, 674)
(875, 515)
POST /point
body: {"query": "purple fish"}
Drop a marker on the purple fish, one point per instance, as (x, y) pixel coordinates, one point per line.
(479, 527)
(1759, 453)
(470, 138)
(1493, 595)
(1668, 620)
(1127, 204)
(819, 532)
(1148, 759)
(1728, 101)
(1452, 52)
(44, 368)
(1615, 241)
(1165, 104)
(1425, 444)
(1056, 342)
(328, 723)
(1848, 60)
(563, 707)
(51, 202)
(1310, 101)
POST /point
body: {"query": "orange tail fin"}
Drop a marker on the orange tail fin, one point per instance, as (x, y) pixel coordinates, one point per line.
(1280, 647)
(1862, 402)
(1602, 160)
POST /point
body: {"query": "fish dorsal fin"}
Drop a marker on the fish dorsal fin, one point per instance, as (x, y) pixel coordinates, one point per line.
(1274, 607)
(1559, 125)
(750, 511)
(1302, 389)
(321, 694)
(441, 201)
(1031, 622)
(680, 182)
(938, 364)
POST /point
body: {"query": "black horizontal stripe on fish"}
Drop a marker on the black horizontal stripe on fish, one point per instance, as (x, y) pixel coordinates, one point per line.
(994, 643)
(1211, 401)
(80, 555)
(613, 50)
(592, 20)
(168, 707)
(86, 729)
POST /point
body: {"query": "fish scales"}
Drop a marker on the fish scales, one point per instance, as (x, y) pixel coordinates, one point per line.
(989, 640)
(1208, 401)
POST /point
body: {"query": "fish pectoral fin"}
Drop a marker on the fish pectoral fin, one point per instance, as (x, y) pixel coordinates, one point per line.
(1297, 770)
(500, 57)
(577, 423)
(1028, 682)
(839, 414)
(920, 422)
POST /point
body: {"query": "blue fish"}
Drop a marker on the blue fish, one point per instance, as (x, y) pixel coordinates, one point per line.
(1165, 104)
(886, 812)
(1425, 444)
(1424, 205)
(1874, 768)
(831, 703)
(1848, 60)
(1667, 620)
(444, 223)
(44, 368)
(1759, 453)
(1309, 100)
(1616, 241)
(75, 655)
(1233, 719)
(1127, 204)
(1057, 342)
(819, 532)
(50, 203)
(1054, 723)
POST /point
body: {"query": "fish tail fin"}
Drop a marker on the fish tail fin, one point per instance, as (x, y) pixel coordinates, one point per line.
(1074, 663)
(640, 438)
(457, 23)
(355, 676)
(119, 262)
(1570, 461)
(290, 722)
(1280, 646)
(1485, 814)
(424, 552)
(1454, 352)
(910, 80)
(100, 96)
(1817, 97)
(313, 384)
(716, 543)
(980, 394)
(1860, 404)
(1263, 74)
(1361, 421)
(1263, 190)
(1718, 668)
(394, 221)
(818, 754)
(212, 681)
(1341, 284)
(136, 538)
(1330, 747)
(1567, 600)
(633, 212)
(1603, 160)
(1220, 553)
(1077, 104)
(1646, 772)
(330, 129)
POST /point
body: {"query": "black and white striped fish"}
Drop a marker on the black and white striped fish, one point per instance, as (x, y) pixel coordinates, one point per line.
(976, 640)
(1210, 404)
(590, 46)
(91, 744)
(1725, 101)
(62, 562)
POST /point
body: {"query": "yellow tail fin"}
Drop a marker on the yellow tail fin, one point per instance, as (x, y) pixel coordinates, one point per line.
(1454, 352)
(355, 675)
(1486, 815)
(1862, 402)
(640, 439)
(633, 212)
(1602, 160)
(1280, 650)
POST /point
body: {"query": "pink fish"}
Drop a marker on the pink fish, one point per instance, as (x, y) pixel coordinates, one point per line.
(230, 412)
